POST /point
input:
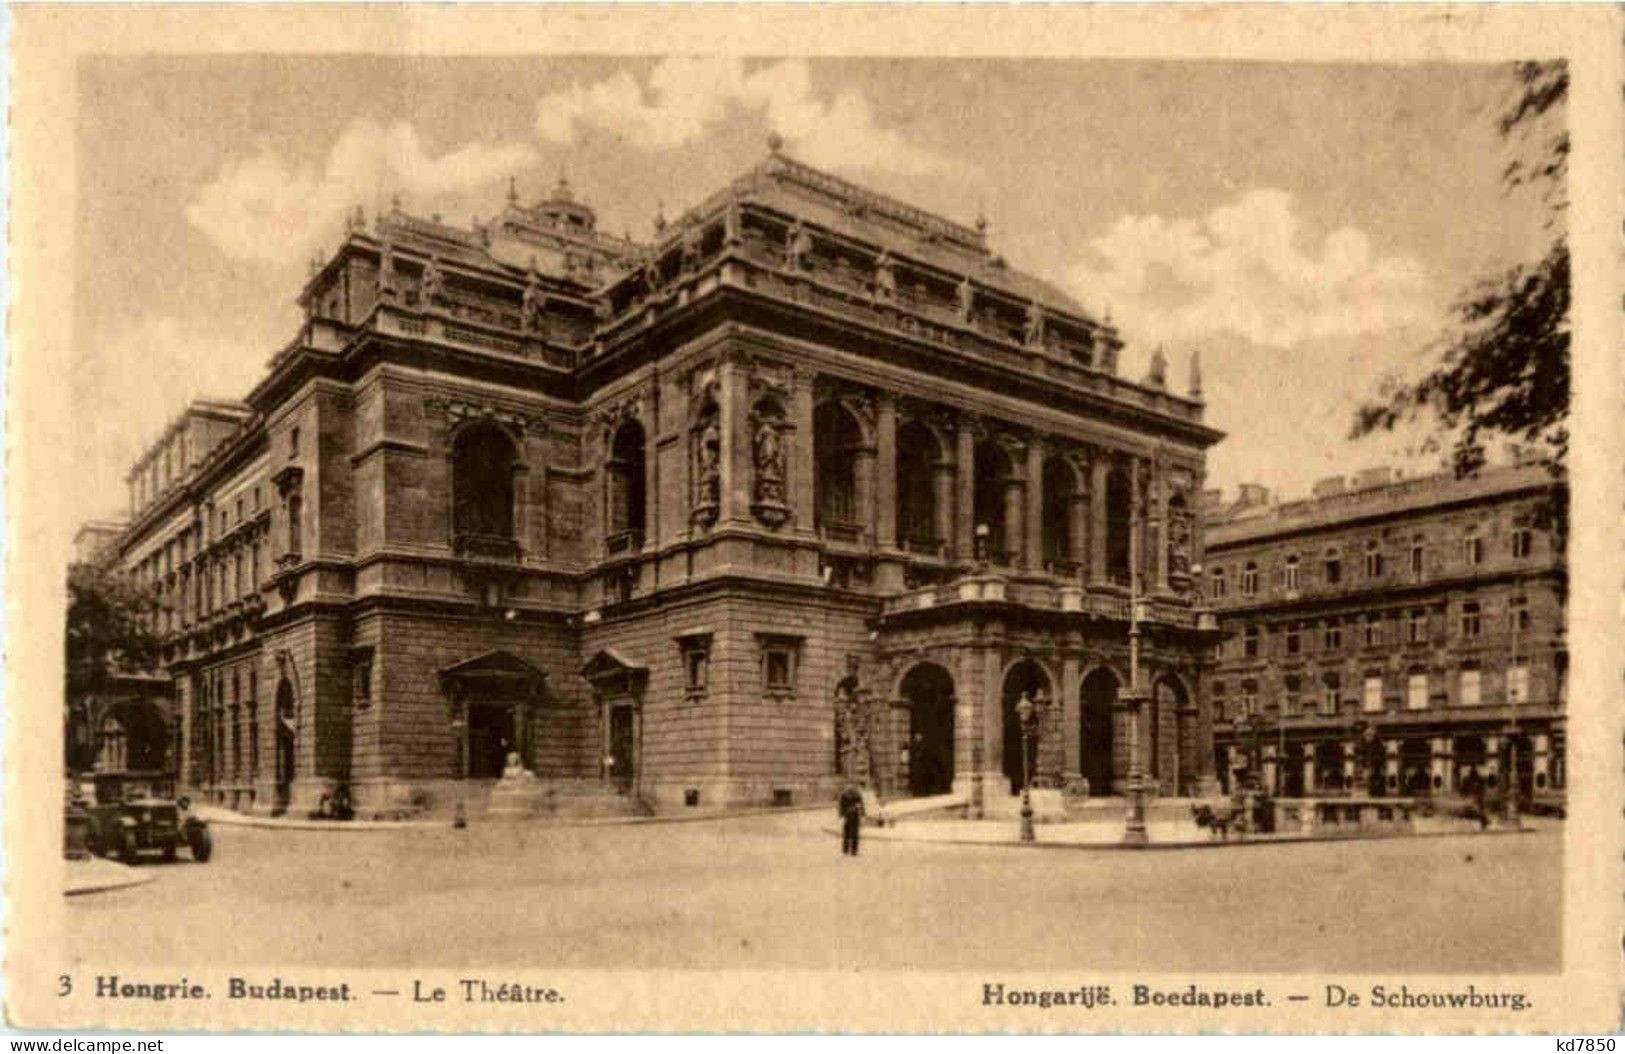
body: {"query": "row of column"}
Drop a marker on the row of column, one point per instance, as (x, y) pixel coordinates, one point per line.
(1444, 775)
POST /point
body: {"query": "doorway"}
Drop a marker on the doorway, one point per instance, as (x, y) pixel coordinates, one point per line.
(490, 739)
(285, 746)
(929, 690)
(1095, 729)
(622, 755)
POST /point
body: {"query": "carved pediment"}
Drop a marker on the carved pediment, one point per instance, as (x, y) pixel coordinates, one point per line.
(610, 664)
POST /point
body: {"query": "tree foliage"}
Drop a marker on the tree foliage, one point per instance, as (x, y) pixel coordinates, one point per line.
(1503, 371)
(108, 628)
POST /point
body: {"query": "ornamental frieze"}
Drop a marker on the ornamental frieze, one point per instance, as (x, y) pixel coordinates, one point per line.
(459, 412)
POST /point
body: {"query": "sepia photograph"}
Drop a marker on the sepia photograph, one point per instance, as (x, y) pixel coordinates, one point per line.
(1098, 527)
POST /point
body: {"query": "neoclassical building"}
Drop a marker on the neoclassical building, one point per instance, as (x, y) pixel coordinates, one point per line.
(813, 482)
(1430, 609)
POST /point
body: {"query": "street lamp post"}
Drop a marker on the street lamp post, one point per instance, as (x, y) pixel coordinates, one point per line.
(1134, 830)
(1029, 711)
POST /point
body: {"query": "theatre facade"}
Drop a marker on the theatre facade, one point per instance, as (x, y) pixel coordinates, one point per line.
(814, 484)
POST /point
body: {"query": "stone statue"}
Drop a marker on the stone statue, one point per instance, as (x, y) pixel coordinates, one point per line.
(967, 299)
(708, 490)
(432, 286)
(514, 770)
(769, 450)
(798, 247)
(885, 278)
(386, 271)
(1033, 335)
(530, 308)
(1179, 539)
(1157, 375)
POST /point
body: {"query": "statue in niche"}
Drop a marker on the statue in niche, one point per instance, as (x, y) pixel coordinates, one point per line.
(798, 247)
(708, 455)
(769, 450)
(432, 286)
(885, 278)
(530, 308)
(967, 299)
(1033, 335)
(1179, 539)
(651, 274)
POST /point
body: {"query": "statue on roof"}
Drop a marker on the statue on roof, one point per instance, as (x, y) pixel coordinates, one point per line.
(530, 308)
(797, 247)
(1033, 334)
(967, 299)
(1157, 375)
(885, 278)
(386, 270)
(432, 285)
(1196, 374)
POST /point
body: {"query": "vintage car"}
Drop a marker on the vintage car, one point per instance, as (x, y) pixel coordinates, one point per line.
(137, 812)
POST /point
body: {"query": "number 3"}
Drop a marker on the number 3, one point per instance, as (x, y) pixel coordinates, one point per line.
(67, 985)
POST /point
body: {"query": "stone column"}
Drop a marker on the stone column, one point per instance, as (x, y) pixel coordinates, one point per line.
(1099, 469)
(1035, 505)
(1159, 514)
(885, 520)
(1014, 527)
(1070, 702)
(863, 488)
(801, 461)
(994, 782)
(1077, 529)
(942, 482)
(964, 547)
(733, 426)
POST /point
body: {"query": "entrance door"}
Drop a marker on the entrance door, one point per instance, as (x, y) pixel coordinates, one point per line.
(490, 738)
(1095, 730)
(285, 746)
(1292, 773)
(622, 761)
(930, 693)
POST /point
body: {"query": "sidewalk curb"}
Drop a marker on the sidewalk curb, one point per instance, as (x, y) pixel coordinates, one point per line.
(225, 818)
(110, 876)
(1121, 847)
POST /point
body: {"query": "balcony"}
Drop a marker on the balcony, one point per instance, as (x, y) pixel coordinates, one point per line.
(623, 542)
(1045, 596)
(486, 548)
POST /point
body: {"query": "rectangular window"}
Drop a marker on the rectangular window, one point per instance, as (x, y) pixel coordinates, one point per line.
(1373, 563)
(1329, 696)
(1518, 615)
(1373, 631)
(1249, 580)
(1249, 639)
(1334, 636)
(1472, 550)
(1416, 692)
(1249, 699)
(1334, 569)
(1371, 697)
(1471, 620)
(1289, 576)
(1292, 688)
(1517, 684)
(1218, 583)
(695, 650)
(1418, 633)
(1469, 688)
(1523, 542)
(779, 661)
(1293, 639)
(1418, 558)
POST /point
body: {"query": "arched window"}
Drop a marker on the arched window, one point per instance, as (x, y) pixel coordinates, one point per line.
(993, 470)
(1219, 585)
(1373, 559)
(482, 463)
(1289, 574)
(836, 442)
(624, 481)
(918, 457)
(1119, 524)
(1249, 579)
(1472, 547)
(1059, 487)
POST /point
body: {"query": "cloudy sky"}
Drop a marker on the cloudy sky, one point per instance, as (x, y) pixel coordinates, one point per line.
(1304, 227)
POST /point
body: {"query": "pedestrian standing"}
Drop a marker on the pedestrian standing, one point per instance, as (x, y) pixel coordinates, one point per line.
(851, 810)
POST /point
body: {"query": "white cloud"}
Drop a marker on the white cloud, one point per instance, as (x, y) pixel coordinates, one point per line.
(266, 209)
(1248, 269)
(684, 97)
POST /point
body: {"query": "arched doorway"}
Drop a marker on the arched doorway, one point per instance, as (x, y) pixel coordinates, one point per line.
(929, 690)
(1095, 729)
(1025, 678)
(1329, 766)
(285, 744)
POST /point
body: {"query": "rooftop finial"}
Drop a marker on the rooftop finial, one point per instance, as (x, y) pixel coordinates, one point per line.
(660, 216)
(513, 191)
(981, 217)
(562, 191)
(775, 142)
(1196, 374)
(1157, 375)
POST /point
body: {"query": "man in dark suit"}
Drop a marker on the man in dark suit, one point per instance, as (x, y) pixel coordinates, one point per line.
(851, 810)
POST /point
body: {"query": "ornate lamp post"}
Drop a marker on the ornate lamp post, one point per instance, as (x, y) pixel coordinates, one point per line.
(1029, 711)
(1134, 830)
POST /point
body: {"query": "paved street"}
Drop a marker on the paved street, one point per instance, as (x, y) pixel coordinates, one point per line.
(769, 891)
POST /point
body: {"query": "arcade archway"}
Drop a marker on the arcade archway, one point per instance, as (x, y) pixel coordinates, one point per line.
(929, 691)
(1024, 678)
(1095, 728)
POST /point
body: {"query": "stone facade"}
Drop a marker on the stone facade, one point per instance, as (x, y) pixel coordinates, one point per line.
(812, 486)
(1429, 609)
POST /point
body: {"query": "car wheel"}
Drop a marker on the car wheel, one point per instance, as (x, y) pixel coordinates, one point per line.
(202, 844)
